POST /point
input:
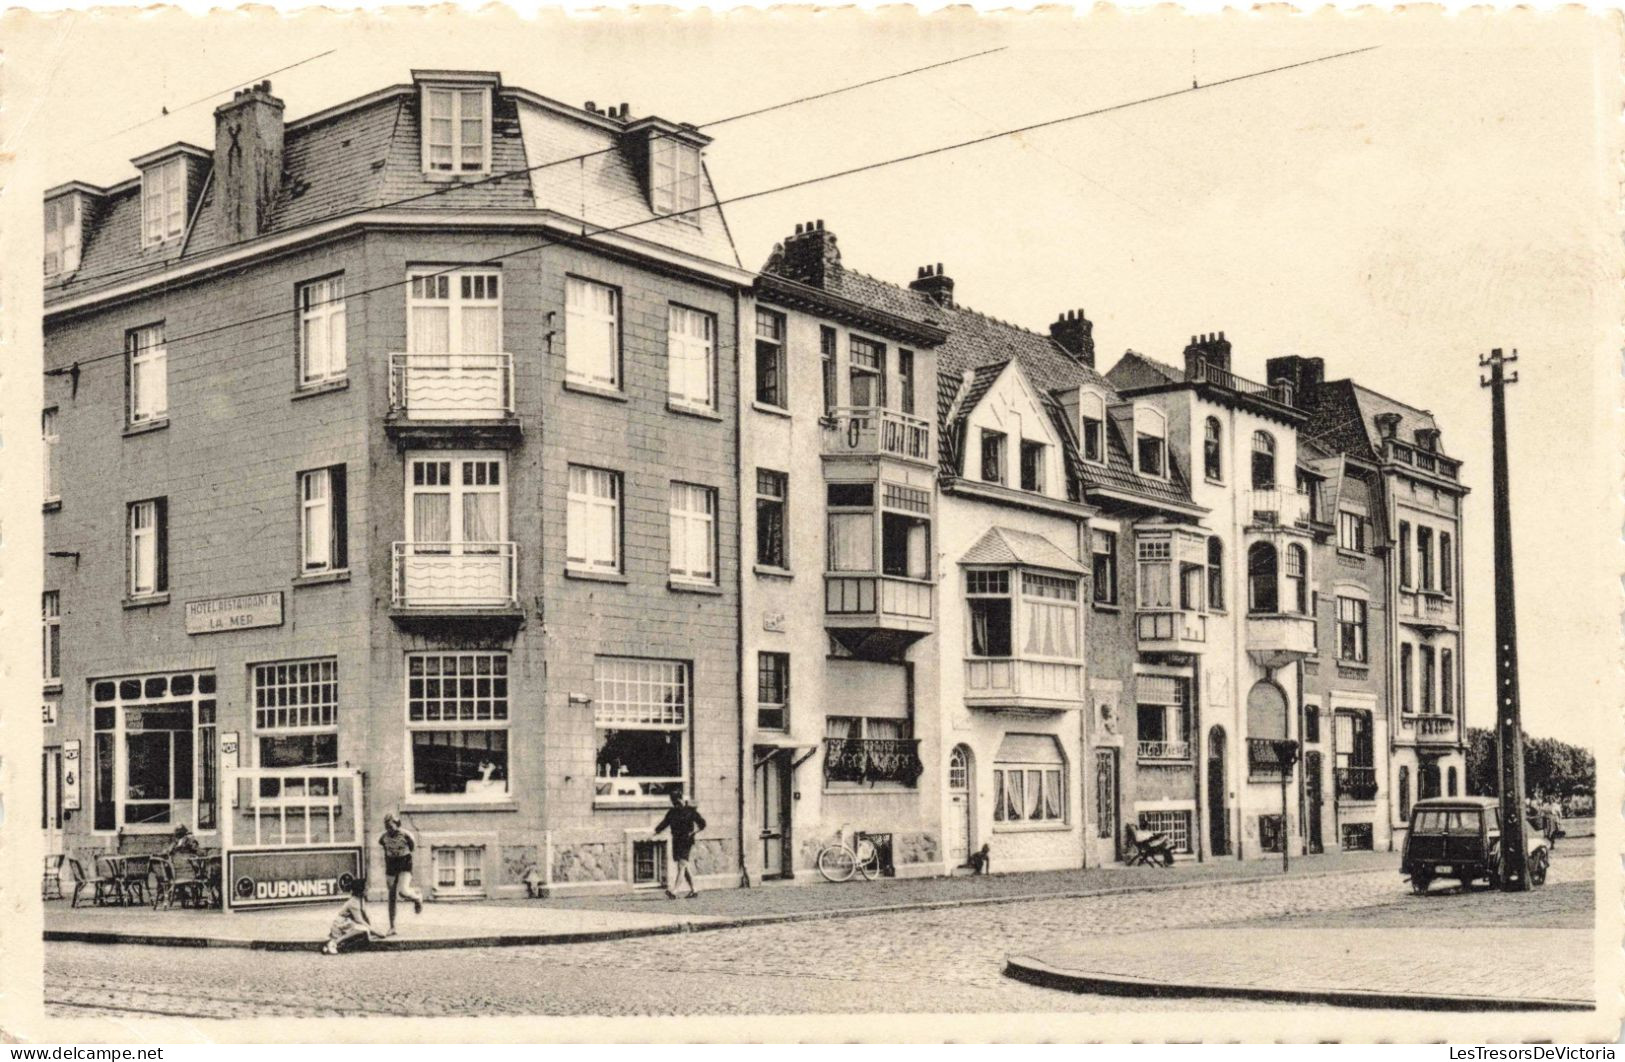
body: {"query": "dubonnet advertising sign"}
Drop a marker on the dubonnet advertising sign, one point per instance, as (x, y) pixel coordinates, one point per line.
(290, 875)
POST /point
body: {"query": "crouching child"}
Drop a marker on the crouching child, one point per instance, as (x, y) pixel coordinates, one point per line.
(351, 926)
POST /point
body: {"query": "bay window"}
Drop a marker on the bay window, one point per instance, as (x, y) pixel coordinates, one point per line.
(691, 351)
(147, 369)
(905, 532)
(641, 718)
(851, 527)
(593, 520)
(592, 333)
(1154, 586)
(457, 725)
(693, 534)
(992, 620)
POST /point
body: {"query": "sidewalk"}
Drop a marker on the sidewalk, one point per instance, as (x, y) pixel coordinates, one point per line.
(514, 923)
(1412, 968)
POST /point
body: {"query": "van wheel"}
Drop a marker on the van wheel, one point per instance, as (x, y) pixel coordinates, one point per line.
(1420, 883)
(1537, 868)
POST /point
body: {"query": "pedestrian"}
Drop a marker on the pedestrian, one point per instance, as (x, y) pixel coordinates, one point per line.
(351, 924)
(684, 821)
(398, 846)
(184, 844)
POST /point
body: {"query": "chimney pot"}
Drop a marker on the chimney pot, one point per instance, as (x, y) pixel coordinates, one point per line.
(820, 224)
(935, 284)
(1075, 333)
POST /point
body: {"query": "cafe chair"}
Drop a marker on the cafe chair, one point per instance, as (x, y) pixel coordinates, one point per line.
(51, 883)
(134, 877)
(103, 886)
(175, 885)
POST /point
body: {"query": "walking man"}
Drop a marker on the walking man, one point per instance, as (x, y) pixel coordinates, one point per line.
(684, 821)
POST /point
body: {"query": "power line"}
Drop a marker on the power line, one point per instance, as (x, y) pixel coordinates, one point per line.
(204, 99)
(147, 267)
(574, 240)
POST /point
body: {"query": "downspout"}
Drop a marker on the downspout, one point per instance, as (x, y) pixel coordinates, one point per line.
(1085, 722)
(739, 602)
(1303, 756)
(1202, 839)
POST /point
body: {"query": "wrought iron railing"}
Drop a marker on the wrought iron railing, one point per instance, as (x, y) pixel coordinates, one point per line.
(1357, 783)
(1263, 758)
(1165, 750)
(860, 430)
(872, 760)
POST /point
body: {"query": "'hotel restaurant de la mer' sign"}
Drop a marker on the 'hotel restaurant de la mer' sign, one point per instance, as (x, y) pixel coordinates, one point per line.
(234, 613)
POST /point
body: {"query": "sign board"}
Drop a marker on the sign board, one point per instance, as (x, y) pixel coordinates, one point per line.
(70, 775)
(273, 878)
(228, 760)
(773, 621)
(49, 713)
(234, 613)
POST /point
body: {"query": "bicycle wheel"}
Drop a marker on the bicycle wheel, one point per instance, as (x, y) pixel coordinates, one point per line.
(867, 860)
(837, 863)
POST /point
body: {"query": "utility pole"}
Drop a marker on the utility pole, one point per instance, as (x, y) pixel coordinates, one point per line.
(1508, 713)
(1286, 754)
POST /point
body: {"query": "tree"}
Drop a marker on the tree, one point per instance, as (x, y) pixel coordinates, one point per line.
(1552, 769)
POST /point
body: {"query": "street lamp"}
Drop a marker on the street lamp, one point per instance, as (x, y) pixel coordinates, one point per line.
(1286, 754)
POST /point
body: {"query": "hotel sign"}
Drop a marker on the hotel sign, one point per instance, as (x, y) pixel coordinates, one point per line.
(234, 613)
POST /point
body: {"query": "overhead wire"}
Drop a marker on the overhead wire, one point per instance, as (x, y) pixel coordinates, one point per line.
(582, 238)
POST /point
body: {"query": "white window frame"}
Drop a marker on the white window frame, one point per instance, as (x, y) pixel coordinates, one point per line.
(691, 357)
(1150, 423)
(163, 202)
(293, 698)
(462, 860)
(582, 313)
(51, 618)
(693, 527)
(455, 490)
(62, 231)
(201, 706)
(498, 718)
(319, 531)
(147, 356)
(1092, 425)
(322, 339)
(675, 177)
(458, 96)
(1044, 774)
(141, 521)
(593, 501)
(636, 679)
(782, 707)
(1357, 526)
(430, 288)
(49, 437)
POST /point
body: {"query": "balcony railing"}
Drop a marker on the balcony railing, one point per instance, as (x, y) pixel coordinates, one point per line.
(451, 387)
(1179, 751)
(850, 430)
(1279, 508)
(1431, 727)
(1171, 631)
(1263, 758)
(454, 575)
(877, 595)
(1277, 639)
(1427, 461)
(1280, 394)
(1357, 783)
(1020, 683)
(872, 760)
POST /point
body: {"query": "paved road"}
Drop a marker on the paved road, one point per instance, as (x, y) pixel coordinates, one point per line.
(945, 960)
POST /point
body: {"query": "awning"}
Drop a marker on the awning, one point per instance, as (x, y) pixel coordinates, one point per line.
(800, 753)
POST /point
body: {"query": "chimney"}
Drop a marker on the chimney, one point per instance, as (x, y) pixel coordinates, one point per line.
(1304, 374)
(809, 256)
(1209, 349)
(934, 284)
(1075, 334)
(1387, 424)
(247, 159)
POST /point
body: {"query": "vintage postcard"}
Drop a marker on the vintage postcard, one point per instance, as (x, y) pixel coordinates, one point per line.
(808, 524)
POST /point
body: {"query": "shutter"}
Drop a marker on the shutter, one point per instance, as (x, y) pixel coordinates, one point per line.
(338, 509)
(160, 518)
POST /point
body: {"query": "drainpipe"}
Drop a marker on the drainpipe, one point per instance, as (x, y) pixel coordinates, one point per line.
(1303, 758)
(745, 757)
(1202, 839)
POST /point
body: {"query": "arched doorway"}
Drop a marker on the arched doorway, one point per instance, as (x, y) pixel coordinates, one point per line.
(1218, 813)
(960, 826)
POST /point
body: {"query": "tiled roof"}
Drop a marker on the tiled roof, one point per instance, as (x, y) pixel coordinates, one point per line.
(1134, 370)
(976, 341)
(369, 156)
(1006, 546)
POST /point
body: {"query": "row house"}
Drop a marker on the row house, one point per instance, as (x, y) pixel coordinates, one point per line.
(362, 455)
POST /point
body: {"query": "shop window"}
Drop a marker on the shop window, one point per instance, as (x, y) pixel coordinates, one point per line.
(457, 715)
(641, 718)
(1357, 837)
(295, 718)
(160, 729)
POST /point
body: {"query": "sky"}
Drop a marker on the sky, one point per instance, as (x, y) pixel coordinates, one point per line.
(1397, 212)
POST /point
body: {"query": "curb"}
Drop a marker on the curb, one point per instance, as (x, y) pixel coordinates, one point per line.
(523, 940)
(1034, 971)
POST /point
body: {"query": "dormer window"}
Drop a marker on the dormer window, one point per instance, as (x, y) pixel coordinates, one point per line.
(1032, 466)
(457, 130)
(1092, 427)
(1150, 442)
(62, 235)
(163, 201)
(674, 177)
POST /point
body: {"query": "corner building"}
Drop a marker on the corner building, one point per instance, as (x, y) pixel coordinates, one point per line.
(362, 454)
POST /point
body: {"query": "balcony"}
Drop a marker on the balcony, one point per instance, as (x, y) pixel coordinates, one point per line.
(1164, 752)
(864, 432)
(437, 580)
(1263, 760)
(1428, 610)
(1425, 460)
(1271, 396)
(1276, 508)
(894, 760)
(1033, 685)
(1171, 632)
(877, 616)
(1357, 783)
(453, 396)
(1277, 639)
(1430, 729)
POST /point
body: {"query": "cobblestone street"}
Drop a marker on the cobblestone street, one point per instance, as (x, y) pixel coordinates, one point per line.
(933, 960)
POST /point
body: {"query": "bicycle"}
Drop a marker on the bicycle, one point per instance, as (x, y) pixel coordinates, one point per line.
(838, 862)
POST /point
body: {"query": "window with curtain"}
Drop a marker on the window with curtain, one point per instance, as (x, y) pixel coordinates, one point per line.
(641, 717)
(851, 523)
(992, 618)
(453, 312)
(592, 333)
(163, 201)
(1155, 586)
(1103, 566)
(693, 533)
(905, 532)
(456, 504)
(1212, 462)
(322, 520)
(62, 235)
(1263, 461)
(674, 177)
(148, 563)
(593, 520)
(456, 137)
(1351, 630)
(322, 355)
(691, 352)
(992, 456)
(1029, 780)
(1351, 531)
(1262, 592)
(148, 374)
(1049, 607)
